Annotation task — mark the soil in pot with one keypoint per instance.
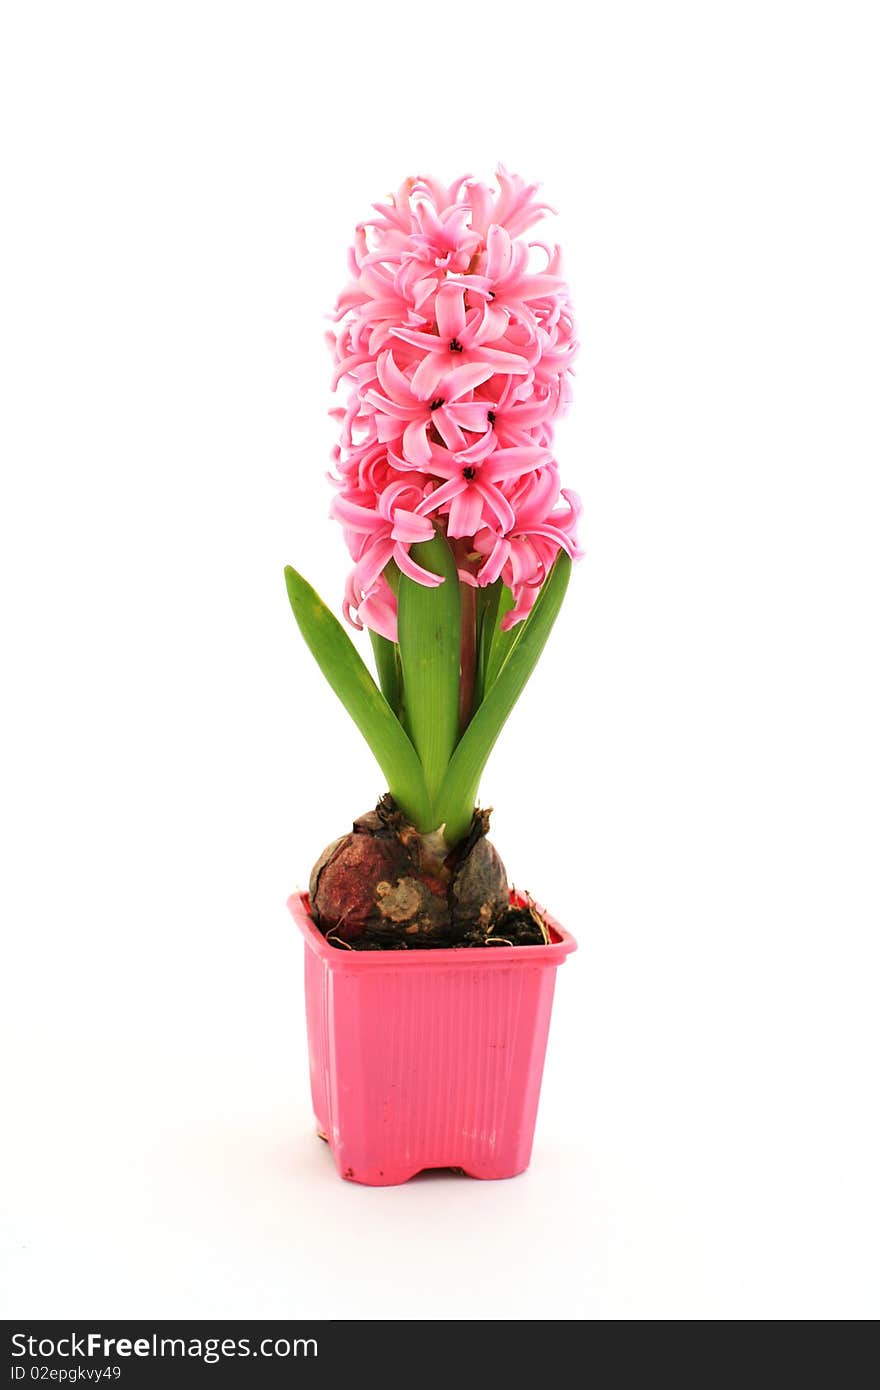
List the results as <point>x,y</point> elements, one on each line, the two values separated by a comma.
<point>386,887</point>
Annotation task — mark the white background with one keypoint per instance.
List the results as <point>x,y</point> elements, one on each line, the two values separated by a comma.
<point>691,781</point>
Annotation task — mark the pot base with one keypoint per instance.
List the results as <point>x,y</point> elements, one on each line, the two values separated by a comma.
<point>427,1059</point>
<point>390,1177</point>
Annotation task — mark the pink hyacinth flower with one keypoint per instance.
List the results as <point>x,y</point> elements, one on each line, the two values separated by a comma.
<point>457,349</point>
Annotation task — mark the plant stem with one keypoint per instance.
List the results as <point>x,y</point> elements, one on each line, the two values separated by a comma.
<point>429,641</point>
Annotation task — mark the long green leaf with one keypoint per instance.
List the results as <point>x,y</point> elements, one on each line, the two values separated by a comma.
<point>387,661</point>
<point>429,640</point>
<point>341,663</point>
<point>487,617</point>
<point>500,643</point>
<point>454,803</point>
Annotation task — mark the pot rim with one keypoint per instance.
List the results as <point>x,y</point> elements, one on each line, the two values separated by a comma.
<point>448,956</point>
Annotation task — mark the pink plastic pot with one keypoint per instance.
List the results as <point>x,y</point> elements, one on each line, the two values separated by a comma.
<point>427,1059</point>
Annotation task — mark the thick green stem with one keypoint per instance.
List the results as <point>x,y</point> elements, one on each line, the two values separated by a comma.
<point>429,641</point>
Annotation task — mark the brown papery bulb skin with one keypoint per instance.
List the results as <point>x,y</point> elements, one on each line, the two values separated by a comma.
<point>384,884</point>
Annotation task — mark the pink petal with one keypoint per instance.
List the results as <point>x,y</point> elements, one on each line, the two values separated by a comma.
<point>428,342</point>
<point>471,415</point>
<point>415,443</point>
<point>378,611</point>
<point>351,515</point>
<point>465,513</point>
<point>525,566</point>
<point>392,379</point>
<point>495,321</point>
<point>524,605</point>
<point>407,565</point>
<point>405,493</point>
<point>494,564</point>
<point>510,463</point>
<point>497,253</point>
<point>449,431</point>
<point>347,364</point>
<point>442,494</point>
<point>388,427</point>
<point>428,375</point>
<point>463,379</point>
<point>397,409</point>
<point>479,450</point>
<point>411,528</point>
<point>372,562</point>
<point>450,312</point>
<point>559,538</point>
<point>538,286</point>
<point>499,504</point>
<point>509,362</point>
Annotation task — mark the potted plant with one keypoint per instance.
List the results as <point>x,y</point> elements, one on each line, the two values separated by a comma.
<point>429,982</point>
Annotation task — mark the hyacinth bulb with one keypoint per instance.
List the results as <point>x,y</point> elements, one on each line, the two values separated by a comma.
<point>385,883</point>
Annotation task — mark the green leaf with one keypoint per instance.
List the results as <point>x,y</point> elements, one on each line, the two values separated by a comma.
<point>498,644</point>
<point>387,660</point>
<point>503,643</point>
<point>454,804</point>
<point>487,617</point>
<point>429,641</point>
<point>341,663</point>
